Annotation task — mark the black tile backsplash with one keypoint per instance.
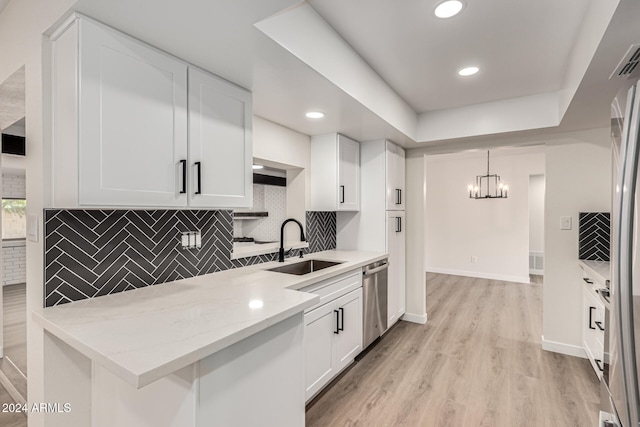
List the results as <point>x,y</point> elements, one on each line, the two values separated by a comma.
<point>594,233</point>
<point>90,253</point>
<point>321,230</point>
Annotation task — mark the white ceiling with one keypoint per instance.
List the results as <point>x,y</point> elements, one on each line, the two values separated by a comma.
<point>521,47</point>
<point>544,66</point>
<point>3,4</point>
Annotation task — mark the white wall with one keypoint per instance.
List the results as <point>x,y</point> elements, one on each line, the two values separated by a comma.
<point>578,169</point>
<point>287,149</point>
<point>578,176</point>
<point>495,232</point>
<point>22,24</point>
<point>536,213</point>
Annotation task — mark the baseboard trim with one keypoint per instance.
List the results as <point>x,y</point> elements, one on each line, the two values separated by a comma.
<point>516,279</point>
<point>415,318</point>
<point>13,392</point>
<point>562,348</point>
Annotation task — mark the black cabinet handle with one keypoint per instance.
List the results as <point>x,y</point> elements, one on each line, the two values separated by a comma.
<point>337,331</point>
<point>599,363</point>
<point>398,196</point>
<point>341,316</point>
<point>184,176</point>
<point>586,279</point>
<point>599,325</point>
<point>591,317</point>
<point>342,194</point>
<point>199,166</point>
<point>398,224</point>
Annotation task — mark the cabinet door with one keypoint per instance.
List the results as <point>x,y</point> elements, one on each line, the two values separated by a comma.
<point>220,147</point>
<point>399,173</point>
<point>396,273</point>
<point>394,159</point>
<point>132,122</point>
<point>320,327</point>
<point>349,338</point>
<point>592,344</point>
<point>348,174</point>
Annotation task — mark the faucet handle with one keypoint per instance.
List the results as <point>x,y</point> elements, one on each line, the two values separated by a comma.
<point>300,251</point>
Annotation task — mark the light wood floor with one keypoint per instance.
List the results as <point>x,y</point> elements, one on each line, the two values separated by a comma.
<point>477,362</point>
<point>10,419</point>
<point>15,326</point>
<point>14,364</point>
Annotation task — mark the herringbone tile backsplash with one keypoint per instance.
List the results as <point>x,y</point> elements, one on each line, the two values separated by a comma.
<point>594,234</point>
<point>90,253</point>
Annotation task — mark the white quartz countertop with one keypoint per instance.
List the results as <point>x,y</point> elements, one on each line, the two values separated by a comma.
<point>145,334</point>
<point>598,270</point>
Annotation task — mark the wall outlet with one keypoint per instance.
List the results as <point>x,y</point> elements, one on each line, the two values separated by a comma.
<point>474,259</point>
<point>191,240</point>
<point>565,223</point>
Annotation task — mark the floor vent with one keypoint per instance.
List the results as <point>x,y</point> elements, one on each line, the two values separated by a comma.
<point>629,63</point>
<point>536,262</point>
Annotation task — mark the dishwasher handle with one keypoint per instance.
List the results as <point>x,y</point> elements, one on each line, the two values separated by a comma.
<point>376,270</point>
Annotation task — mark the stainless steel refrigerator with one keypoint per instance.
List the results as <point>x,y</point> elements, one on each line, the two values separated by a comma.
<point>620,398</point>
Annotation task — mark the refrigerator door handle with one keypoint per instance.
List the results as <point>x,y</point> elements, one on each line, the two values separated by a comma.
<point>624,266</point>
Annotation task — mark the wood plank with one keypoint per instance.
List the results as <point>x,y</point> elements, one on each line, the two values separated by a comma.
<point>477,362</point>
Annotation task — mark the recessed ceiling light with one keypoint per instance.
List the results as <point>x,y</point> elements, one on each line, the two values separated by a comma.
<point>468,71</point>
<point>448,8</point>
<point>315,115</point>
<point>258,166</point>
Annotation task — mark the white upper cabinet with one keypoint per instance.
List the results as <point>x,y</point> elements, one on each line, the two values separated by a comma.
<point>348,174</point>
<point>335,173</point>
<point>132,121</point>
<point>395,176</point>
<point>136,127</point>
<point>220,155</point>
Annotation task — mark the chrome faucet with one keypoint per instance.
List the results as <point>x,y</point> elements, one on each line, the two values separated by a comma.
<point>281,252</point>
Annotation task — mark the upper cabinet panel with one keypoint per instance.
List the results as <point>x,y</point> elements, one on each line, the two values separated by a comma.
<point>220,149</point>
<point>133,121</point>
<point>335,173</point>
<point>348,174</point>
<point>395,156</point>
<point>136,127</point>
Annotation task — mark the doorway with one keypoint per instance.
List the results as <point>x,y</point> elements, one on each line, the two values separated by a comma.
<point>13,355</point>
<point>536,227</point>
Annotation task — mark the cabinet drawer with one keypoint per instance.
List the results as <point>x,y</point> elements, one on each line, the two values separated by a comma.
<point>335,287</point>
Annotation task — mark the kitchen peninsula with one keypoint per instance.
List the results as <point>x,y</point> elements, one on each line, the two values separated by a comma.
<point>198,351</point>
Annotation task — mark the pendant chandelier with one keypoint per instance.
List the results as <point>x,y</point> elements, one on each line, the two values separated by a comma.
<point>488,186</point>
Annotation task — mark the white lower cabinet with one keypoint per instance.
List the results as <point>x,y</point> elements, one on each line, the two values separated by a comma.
<point>593,329</point>
<point>332,339</point>
<point>396,290</point>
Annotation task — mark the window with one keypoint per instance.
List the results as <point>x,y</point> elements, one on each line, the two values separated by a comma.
<point>14,219</point>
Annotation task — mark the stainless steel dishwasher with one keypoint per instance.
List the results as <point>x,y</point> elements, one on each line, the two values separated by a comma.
<point>374,294</point>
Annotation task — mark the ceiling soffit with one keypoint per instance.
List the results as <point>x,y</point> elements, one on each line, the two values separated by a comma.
<point>304,33</point>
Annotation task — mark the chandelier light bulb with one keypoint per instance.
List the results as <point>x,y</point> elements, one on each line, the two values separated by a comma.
<point>494,187</point>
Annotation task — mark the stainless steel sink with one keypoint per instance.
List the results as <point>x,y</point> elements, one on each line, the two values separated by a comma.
<point>305,267</point>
